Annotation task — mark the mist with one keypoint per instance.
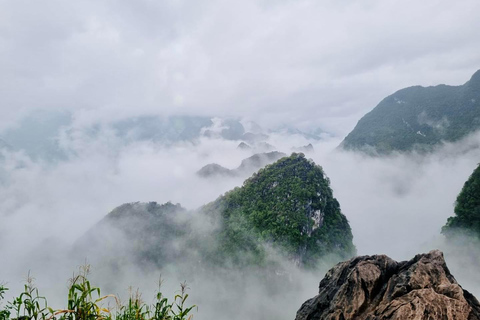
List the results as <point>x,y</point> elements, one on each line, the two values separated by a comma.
<point>396,205</point>
<point>80,81</point>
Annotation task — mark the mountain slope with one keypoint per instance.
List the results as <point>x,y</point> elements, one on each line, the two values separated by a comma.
<point>148,233</point>
<point>467,208</point>
<point>418,118</point>
<point>288,204</point>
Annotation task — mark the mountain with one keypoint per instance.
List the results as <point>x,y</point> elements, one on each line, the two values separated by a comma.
<point>244,146</point>
<point>147,232</point>
<point>215,170</point>
<point>38,134</point>
<point>418,118</point>
<point>467,208</point>
<point>259,160</point>
<point>304,149</point>
<point>246,168</point>
<point>311,134</point>
<point>377,287</point>
<point>161,129</point>
<point>288,204</point>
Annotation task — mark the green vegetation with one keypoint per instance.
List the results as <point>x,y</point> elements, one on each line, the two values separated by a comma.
<point>145,232</point>
<point>418,118</point>
<point>86,303</point>
<point>288,204</point>
<point>467,209</point>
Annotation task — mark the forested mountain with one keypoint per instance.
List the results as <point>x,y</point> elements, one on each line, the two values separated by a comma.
<point>467,208</point>
<point>418,118</point>
<point>143,232</point>
<point>287,206</point>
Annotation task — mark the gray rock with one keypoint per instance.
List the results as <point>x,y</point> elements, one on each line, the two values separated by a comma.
<point>377,287</point>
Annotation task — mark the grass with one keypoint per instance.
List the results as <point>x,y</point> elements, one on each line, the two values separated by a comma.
<point>85,302</point>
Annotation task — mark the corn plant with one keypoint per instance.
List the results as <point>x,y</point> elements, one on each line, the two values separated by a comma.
<point>4,313</point>
<point>135,309</point>
<point>84,303</point>
<point>181,312</point>
<point>29,305</point>
<point>81,302</point>
<point>162,309</point>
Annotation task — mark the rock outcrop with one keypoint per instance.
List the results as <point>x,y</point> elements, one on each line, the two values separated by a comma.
<point>377,287</point>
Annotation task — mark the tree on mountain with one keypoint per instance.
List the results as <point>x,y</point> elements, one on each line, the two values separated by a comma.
<point>467,208</point>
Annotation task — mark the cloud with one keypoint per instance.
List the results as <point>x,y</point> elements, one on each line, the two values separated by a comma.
<point>273,61</point>
<point>303,63</point>
<point>396,205</point>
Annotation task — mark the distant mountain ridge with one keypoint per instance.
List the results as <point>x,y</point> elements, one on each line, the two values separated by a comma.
<point>49,135</point>
<point>418,118</point>
<point>246,167</point>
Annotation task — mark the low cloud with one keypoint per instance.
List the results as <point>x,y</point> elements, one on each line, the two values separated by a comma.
<point>396,205</point>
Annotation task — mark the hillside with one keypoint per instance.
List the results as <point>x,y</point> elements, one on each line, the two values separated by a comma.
<point>467,208</point>
<point>418,118</point>
<point>288,204</point>
<point>148,233</point>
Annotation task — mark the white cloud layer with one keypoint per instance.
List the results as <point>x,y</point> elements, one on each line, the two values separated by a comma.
<point>396,206</point>
<point>303,63</point>
<point>326,62</point>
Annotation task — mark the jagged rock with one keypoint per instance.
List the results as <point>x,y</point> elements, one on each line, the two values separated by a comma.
<point>377,287</point>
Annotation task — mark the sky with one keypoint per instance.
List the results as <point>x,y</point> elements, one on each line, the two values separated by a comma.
<point>303,63</point>
<point>308,63</point>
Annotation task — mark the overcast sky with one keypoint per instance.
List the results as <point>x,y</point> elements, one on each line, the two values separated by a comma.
<point>302,63</point>
<point>315,63</point>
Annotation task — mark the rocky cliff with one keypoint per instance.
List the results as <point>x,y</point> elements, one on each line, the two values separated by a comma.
<point>377,287</point>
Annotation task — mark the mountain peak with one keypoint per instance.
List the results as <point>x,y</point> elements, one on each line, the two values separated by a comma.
<point>289,204</point>
<point>475,78</point>
<point>418,119</point>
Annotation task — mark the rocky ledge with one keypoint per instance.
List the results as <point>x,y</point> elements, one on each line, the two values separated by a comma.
<point>379,288</point>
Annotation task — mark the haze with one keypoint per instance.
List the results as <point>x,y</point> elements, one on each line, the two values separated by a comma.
<point>76,68</point>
